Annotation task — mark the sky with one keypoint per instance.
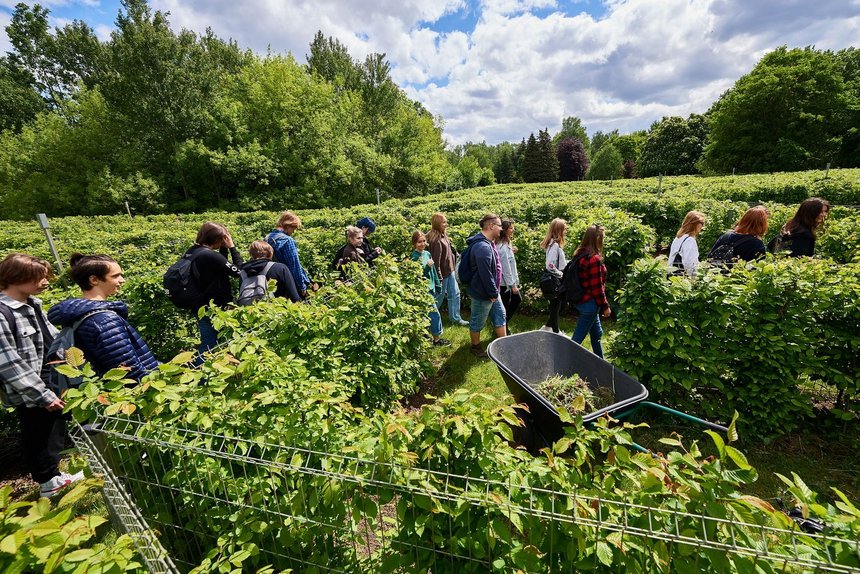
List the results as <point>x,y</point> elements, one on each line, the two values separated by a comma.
<point>498,70</point>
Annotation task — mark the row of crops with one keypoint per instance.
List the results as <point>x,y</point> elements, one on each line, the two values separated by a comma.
<point>288,450</point>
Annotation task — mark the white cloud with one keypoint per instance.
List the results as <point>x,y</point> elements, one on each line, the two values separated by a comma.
<point>5,20</point>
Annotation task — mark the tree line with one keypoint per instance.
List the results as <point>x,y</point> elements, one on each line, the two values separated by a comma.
<point>181,121</point>
<point>797,109</point>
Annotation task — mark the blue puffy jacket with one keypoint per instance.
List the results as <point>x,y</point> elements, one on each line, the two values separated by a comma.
<point>107,339</point>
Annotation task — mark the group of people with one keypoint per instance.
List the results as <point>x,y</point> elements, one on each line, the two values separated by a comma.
<point>102,331</point>
<point>745,241</point>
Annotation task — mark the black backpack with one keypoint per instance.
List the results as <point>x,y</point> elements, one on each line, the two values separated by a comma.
<point>58,381</point>
<point>724,255</point>
<point>678,263</point>
<point>180,285</point>
<point>571,288</point>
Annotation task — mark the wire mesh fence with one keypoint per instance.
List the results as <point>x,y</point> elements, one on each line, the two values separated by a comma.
<point>260,503</point>
<point>124,512</point>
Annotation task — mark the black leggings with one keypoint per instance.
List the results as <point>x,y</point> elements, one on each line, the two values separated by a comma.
<point>43,436</point>
<point>511,301</point>
<point>554,312</point>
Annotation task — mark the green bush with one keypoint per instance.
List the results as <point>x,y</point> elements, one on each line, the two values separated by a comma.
<point>750,341</point>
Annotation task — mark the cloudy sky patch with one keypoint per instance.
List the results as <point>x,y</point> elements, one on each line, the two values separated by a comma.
<point>501,69</point>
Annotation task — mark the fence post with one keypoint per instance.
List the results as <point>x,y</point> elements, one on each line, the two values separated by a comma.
<point>128,210</point>
<point>659,184</point>
<point>827,173</point>
<point>43,223</point>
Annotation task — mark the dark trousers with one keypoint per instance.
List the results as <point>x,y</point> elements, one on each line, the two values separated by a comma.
<point>554,312</point>
<point>43,436</point>
<point>511,302</point>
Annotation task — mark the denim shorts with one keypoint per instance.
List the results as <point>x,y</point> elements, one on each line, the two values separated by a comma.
<point>481,309</point>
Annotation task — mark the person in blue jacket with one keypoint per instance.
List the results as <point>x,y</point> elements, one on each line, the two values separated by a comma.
<point>286,250</point>
<point>485,286</point>
<point>105,335</point>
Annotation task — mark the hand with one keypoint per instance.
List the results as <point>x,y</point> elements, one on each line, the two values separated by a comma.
<point>430,263</point>
<point>493,299</point>
<point>57,405</point>
<point>607,312</point>
<point>515,249</point>
<point>515,290</point>
<point>377,250</point>
<point>228,241</point>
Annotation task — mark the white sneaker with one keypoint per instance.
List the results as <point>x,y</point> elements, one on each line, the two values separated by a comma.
<point>52,487</point>
<point>545,328</point>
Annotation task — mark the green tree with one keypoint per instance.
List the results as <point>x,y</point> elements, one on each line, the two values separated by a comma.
<point>607,164</point>
<point>530,169</point>
<point>57,62</point>
<point>673,146</point>
<point>503,168</point>
<point>331,60</point>
<point>20,102</point>
<point>599,139</point>
<point>848,61</point>
<point>782,116</point>
<point>548,159</point>
<point>630,145</point>
<point>571,127</point>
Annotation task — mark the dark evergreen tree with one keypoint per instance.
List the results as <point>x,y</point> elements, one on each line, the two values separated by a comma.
<point>531,168</point>
<point>572,160</point>
<point>548,160</point>
<point>504,166</point>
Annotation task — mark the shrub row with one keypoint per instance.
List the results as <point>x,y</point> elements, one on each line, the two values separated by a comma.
<point>766,340</point>
<point>218,509</point>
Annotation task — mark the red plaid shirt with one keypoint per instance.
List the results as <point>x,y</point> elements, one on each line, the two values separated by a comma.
<point>592,277</point>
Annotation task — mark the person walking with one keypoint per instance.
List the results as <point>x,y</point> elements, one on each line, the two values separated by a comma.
<point>103,333</point>
<point>210,274</point>
<point>261,255</point>
<point>684,251</point>
<point>486,278</point>
<point>743,241</point>
<point>592,277</point>
<point>555,262</point>
<point>799,233</point>
<point>286,250</point>
<point>442,252</point>
<point>428,268</point>
<point>25,335</point>
<point>510,288</point>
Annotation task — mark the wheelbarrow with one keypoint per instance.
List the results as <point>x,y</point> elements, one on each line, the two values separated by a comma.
<point>527,359</point>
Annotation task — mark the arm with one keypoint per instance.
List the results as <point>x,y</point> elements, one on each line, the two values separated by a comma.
<point>18,377</point>
<point>234,255</point>
<point>690,256</point>
<point>595,281</point>
<point>551,262</point>
<point>487,269</point>
<point>286,284</point>
<point>290,252</point>
<point>507,272</point>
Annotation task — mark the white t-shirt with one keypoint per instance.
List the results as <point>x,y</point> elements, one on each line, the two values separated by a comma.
<point>689,250</point>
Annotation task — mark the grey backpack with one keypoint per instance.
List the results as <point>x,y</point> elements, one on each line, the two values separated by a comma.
<point>254,288</point>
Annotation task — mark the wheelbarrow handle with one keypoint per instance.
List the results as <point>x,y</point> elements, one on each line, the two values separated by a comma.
<point>679,414</point>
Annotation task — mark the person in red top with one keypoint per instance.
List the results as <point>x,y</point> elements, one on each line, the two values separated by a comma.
<point>592,277</point>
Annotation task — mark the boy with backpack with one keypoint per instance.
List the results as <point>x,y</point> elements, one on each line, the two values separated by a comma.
<point>25,336</point>
<point>256,273</point>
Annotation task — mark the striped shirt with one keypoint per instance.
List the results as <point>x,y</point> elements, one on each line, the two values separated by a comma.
<point>22,356</point>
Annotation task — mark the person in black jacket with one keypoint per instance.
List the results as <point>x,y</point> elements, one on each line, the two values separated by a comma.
<point>104,333</point>
<point>743,241</point>
<point>261,255</point>
<point>368,226</point>
<point>798,235</point>
<point>211,273</point>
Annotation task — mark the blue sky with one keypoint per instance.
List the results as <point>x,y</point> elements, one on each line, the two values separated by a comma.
<point>500,69</point>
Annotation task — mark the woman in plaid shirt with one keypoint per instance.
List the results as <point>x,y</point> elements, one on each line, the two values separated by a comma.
<point>592,277</point>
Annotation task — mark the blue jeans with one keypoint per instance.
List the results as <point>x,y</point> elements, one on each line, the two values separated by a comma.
<point>483,308</point>
<point>589,324</point>
<point>435,322</point>
<point>208,338</point>
<point>451,290</point>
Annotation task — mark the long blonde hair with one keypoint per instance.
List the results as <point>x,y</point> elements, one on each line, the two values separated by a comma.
<point>556,230</point>
<point>691,220</point>
<point>436,230</point>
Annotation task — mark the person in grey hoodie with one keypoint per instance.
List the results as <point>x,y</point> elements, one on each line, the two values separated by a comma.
<point>484,286</point>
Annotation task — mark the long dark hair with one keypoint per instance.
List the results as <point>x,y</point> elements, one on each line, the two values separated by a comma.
<point>503,236</point>
<point>592,241</point>
<point>806,216</point>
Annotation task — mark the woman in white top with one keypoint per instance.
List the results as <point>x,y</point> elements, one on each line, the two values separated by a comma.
<point>684,252</point>
<point>510,287</point>
<point>553,245</point>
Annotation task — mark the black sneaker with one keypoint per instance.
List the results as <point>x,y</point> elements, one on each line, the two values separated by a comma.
<point>478,351</point>
<point>441,342</point>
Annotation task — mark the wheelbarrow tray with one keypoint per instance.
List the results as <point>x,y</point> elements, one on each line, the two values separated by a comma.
<point>527,359</point>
